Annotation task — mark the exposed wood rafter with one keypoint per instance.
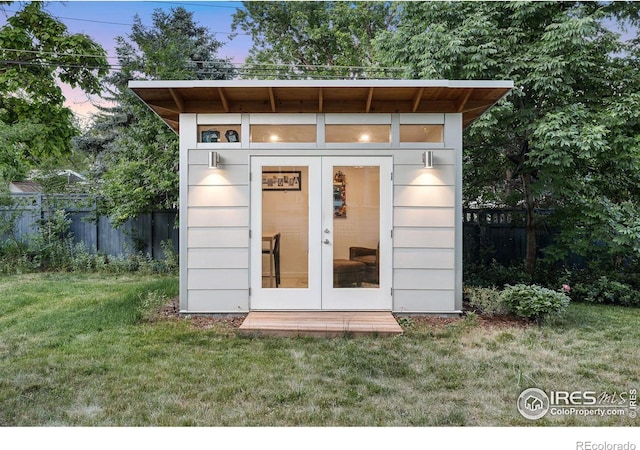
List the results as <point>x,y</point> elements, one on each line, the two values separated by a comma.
<point>223,99</point>
<point>463,100</point>
<point>417,99</point>
<point>176,98</point>
<point>369,99</point>
<point>272,99</point>
<point>169,99</point>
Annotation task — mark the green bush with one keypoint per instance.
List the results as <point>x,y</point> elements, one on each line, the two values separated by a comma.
<point>485,301</point>
<point>534,302</point>
<point>14,257</point>
<point>606,291</point>
<point>52,246</point>
<point>494,274</point>
<point>171,257</point>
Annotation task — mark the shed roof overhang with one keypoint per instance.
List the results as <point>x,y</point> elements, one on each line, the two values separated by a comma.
<point>168,99</point>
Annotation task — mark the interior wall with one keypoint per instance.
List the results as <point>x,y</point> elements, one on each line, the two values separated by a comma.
<point>287,212</point>
<point>361,227</point>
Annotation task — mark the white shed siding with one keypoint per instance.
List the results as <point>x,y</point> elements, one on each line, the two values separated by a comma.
<point>219,258</point>
<point>424,258</point>
<point>453,136</point>
<point>427,236</point>
<point>426,217</point>
<point>218,217</point>
<point>437,301</point>
<point>227,301</point>
<point>426,227</point>
<point>204,279</point>
<point>417,195</point>
<point>216,227</point>
<point>419,237</point>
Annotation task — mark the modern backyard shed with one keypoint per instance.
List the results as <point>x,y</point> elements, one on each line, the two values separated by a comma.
<point>320,195</point>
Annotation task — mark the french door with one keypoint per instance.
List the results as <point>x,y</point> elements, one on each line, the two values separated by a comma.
<point>321,233</point>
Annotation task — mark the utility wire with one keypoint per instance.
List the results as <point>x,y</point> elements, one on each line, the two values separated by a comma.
<point>252,66</point>
<point>127,24</point>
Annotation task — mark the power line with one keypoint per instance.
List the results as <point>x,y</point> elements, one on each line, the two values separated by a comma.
<point>42,52</point>
<point>105,22</point>
<point>208,5</point>
<point>247,66</point>
<point>215,67</point>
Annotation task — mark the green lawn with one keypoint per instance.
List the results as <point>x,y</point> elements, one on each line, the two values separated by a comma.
<point>76,350</point>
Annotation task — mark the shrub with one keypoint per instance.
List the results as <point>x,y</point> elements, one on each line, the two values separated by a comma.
<point>607,291</point>
<point>534,302</point>
<point>494,274</point>
<point>171,257</point>
<point>52,246</point>
<point>14,257</point>
<point>484,301</point>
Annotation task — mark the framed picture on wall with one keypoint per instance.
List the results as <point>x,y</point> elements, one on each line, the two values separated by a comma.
<point>282,181</point>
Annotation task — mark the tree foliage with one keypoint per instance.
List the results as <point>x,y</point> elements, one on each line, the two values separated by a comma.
<point>566,136</point>
<point>136,154</point>
<point>37,53</point>
<point>320,39</point>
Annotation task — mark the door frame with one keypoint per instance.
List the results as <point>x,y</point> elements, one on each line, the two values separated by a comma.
<point>361,298</point>
<point>320,293</point>
<point>308,298</point>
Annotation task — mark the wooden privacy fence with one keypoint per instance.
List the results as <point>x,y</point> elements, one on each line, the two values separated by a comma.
<point>142,234</point>
<point>499,234</point>
<point>488,234</point>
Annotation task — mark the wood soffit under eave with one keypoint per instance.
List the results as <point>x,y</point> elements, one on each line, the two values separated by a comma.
<point>369,99</point>
<point>272,100</point>
<point>259,106</point>
<point>177,99</point>
<point>471,102</point>
<point>463,100</point>
<point>223,100</point>
<point>169,107</point>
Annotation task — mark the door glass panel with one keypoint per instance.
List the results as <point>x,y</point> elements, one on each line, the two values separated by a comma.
<point>356,226</point>
<point>285,227</point>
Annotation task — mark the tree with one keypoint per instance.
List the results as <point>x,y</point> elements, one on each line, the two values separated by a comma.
<point>320,39</point>
<point>136,154</point>
<point>552,139</point>
<point>37,53</point>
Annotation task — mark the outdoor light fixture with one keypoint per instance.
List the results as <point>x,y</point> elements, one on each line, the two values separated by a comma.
<point>427,159</point>
<point>214,160</point>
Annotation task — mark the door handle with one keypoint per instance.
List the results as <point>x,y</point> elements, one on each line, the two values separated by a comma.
<point>326,241</point>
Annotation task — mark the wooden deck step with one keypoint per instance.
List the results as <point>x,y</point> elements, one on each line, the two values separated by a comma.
<point>320,323</point>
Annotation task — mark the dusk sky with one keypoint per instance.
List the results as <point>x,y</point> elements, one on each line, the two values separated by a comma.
<point>105,20</point>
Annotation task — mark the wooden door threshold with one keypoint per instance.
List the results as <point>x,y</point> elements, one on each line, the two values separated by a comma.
<point>320,323</point>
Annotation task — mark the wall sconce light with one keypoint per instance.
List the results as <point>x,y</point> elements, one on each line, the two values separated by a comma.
<point>214,160</point>
<point>427,159</point>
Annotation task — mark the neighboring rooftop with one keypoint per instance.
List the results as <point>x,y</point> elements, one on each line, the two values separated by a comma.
<point>170,98</point>
<point>22,187</point>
